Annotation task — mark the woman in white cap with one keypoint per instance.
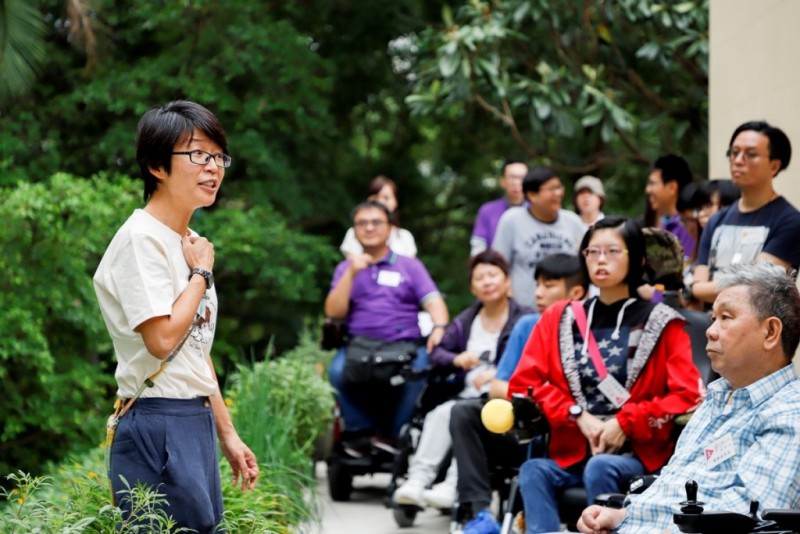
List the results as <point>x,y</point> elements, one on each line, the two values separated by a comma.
<point>588,198</point>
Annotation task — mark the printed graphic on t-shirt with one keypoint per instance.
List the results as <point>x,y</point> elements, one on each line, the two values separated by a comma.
<point>543,244</point>
<point>203,332</point>
<point>736,244</point>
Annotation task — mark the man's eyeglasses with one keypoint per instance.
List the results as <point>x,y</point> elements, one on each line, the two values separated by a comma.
<point>364,223</point>
<point>747,155</point>
<point>201,157</point>
<point>594,253</point>
<point>555,189</point>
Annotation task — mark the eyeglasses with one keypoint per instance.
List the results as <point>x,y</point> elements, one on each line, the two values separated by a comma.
<point>201,157</point>
<point>364,223</point>
<point>554,189</point>
<point>747,155</point>
<point>594,253</point>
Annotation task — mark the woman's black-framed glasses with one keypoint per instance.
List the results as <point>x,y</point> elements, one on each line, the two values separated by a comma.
<point>201,157</point>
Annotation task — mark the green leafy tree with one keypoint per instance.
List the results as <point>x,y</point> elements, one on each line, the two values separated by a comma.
<point>592,87</point>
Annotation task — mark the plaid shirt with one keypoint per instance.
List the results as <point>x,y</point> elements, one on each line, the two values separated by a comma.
<point>763,424</point>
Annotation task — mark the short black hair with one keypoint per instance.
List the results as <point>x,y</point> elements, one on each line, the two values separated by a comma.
<point>779,146</point>
<point>370,204</point>
<point>536,177</point>
<point>488,257</point>
<point>161,128</point>
<point>631,234</point>
<point>674,169</point>
<point>561,265</point>
<point>702,193</point>
<point>511,161</point>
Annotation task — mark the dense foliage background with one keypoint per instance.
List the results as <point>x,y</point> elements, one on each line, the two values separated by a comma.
<point>317,98</point>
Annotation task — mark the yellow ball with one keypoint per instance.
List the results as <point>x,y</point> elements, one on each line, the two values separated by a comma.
<point>497,416</point>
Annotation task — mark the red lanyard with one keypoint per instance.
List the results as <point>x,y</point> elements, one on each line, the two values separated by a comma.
<point>588,337</point>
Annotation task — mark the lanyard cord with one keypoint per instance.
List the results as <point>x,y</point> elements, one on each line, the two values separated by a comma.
<point>614,334</point>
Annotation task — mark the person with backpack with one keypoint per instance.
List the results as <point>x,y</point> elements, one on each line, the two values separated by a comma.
<point>669,177</point>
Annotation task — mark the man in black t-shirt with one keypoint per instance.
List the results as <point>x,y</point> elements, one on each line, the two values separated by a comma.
<point>762,225</point>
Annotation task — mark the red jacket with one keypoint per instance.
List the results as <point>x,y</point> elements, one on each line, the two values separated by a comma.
<point>665,383</point>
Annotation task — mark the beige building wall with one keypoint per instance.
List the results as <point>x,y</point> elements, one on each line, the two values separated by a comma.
<point>754,73</point>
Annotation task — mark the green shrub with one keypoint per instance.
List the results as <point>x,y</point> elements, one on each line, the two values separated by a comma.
<point>284,402</point>
<point>35,505</point>
<point>280,407</point>
<point>55,381</point>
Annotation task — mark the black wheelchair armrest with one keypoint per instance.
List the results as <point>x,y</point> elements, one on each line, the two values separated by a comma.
<point>610,500</point>
<point>714,522</point>
<point>783,519</point>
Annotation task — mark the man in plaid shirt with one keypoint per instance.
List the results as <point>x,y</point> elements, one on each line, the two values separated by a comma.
<point>742,443</point>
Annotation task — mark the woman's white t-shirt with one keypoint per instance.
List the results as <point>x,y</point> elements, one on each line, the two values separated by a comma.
<point>141,275</point>
<point>480,341</point>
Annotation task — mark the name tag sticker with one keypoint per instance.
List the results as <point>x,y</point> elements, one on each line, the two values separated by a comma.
<point>613,391</point>
<point>389,278</point>
<point>719,451</point>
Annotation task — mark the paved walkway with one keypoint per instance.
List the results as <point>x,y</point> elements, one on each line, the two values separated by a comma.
<point>365,513</point>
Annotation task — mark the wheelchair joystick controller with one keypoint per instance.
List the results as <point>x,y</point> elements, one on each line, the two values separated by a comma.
<point>691,504</point>
<point>695,519</point>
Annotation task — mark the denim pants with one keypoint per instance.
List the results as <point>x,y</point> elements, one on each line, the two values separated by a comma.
<point>396,403</point>
<point>170,445</point>
<point>541,480</point>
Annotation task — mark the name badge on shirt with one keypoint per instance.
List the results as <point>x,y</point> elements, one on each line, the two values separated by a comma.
<point>613,391</point>
<point>389,278</point>
<point>719,451</point>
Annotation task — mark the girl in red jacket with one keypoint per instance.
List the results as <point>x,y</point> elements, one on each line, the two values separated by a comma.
<point>610,395</point>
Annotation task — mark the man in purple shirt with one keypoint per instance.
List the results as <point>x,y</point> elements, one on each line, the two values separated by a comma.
<point>669,176</point>
<point>489,213</point>
<point>378,294</point>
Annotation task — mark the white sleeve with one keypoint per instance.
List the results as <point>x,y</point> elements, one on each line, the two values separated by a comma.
<point>403,242</point>
<point>142,279</point>
<point>350,244</point>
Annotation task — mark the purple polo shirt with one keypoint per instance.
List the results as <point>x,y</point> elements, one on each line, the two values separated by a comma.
<point>674,225</point>
<point>487,219</point>
<point>386,297</point>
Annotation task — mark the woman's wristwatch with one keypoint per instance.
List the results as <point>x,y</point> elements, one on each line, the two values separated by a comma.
<point>208,275</point>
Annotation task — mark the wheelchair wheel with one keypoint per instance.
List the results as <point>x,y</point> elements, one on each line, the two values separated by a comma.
<point>404,516</point>
<point>340,481</point>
